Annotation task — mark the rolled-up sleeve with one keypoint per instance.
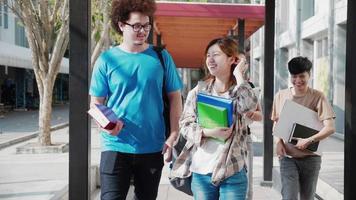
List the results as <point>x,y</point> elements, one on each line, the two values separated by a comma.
<point>188,123</point>
<point>244,98</point>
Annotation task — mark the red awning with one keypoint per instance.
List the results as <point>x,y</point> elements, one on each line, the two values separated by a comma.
<point>186,28</point>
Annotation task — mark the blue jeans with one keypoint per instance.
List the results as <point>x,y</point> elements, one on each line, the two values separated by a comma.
<point>299,175</point>
<point>233,187</point>
<point>117,169</point>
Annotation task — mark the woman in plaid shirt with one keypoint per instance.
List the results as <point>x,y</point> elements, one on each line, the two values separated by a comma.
<point>217,168</point>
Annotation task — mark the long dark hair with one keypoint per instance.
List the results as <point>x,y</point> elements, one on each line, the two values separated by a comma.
<point>230,48</point>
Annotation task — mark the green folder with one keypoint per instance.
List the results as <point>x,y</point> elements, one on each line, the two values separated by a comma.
<point>210,116</point>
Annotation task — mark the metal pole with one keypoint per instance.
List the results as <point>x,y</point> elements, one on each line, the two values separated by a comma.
<point>350,111</point>
<point>241,34</point>
<point>79,124</point>
<point>268,91</point>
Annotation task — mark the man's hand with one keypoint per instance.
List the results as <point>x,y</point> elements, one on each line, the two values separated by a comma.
<point>168,146</point>
<point>221,133</point>
<point>116,130</point>
<point>280,149</point>
<point>302,143</point>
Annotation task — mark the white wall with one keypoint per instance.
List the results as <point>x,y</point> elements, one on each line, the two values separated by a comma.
<point>8,35</point>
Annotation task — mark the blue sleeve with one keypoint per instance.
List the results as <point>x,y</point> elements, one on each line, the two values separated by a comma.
<point>99,86</point>
<point>173,81</point>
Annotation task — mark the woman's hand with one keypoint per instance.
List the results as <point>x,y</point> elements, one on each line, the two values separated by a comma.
<point>221,133</point>
<point>250,115</point>
<point>241,67</point>
<point>240,70</point>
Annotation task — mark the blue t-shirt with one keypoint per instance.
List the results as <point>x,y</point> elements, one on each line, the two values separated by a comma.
<point>132,84</point>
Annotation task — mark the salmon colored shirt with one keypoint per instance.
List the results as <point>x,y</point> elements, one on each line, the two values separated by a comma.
<point>314,100</point>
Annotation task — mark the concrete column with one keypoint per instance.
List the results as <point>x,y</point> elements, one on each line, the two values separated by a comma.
<point>331,49</point>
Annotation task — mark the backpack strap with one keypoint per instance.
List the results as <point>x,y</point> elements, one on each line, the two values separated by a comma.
<point>166,111</point>
<point>159,50</point>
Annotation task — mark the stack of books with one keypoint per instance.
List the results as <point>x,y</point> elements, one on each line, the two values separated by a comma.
<point>297,121</point>
<point>213,111</point>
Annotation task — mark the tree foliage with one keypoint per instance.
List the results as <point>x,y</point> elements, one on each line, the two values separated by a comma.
<point>102,35</point>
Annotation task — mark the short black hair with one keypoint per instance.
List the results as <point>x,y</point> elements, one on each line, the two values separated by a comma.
<point>299,65</point>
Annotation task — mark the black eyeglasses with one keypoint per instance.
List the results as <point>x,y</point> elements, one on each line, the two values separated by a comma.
<point>137,27</point>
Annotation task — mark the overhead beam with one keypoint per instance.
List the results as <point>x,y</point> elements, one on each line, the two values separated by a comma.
<point>184,29</point>
<point>186,35</point>
<point>217,10</point>
<point>193,20</point>
<point>190,27</point>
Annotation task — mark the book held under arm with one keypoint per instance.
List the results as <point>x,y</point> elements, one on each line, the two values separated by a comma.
<point>300,131</point>
<point>104,116</point>
<point>293,112</point>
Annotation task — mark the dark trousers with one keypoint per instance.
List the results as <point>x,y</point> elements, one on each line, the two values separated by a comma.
<point>116,170</point>
<point>299,175</point>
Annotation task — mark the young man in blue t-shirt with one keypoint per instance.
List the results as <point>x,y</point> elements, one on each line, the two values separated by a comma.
<point>129,79</point>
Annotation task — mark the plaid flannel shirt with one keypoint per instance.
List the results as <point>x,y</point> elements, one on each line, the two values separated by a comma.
<point>234,152</point>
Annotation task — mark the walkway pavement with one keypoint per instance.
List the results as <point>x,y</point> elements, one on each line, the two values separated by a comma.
<point>45,176</point>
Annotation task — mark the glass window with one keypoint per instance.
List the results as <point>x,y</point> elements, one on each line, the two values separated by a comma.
<point>0,14</point>
<point>307,11</point>
<point>325,47</point>
<point>6,17</point>
<point>319,49</point>
<point>284,20</point>
<point>20,36</point>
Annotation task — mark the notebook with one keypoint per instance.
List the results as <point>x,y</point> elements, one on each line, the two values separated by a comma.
<point>210,116</point>
<point>300,131</point>
<point>220,102</point>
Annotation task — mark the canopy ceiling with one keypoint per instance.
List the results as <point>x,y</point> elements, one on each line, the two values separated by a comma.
<point>186,28</point>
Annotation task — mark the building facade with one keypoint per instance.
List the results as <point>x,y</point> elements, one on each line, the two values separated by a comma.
<point>315,29</point>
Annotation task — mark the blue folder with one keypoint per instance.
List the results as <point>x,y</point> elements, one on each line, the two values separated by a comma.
<point>218,101</point>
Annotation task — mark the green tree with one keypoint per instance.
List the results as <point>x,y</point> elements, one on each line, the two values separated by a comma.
<point>102,35</point>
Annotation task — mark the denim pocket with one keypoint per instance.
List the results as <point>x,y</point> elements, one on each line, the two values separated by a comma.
<point>107,162</point>
<point>238,178</point>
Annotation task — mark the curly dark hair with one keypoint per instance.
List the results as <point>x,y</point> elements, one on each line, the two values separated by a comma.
<point>121,9</point>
